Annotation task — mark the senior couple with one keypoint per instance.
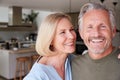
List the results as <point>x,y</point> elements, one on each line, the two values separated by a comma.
<point>56,41</point>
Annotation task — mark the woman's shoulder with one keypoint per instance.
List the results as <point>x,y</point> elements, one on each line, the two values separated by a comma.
<point>35,73</point>
<point>39,68</point>
<point>41,72</point>
<point>71,56</point>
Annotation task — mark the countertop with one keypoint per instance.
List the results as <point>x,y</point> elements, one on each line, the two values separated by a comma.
<point>22,50</point>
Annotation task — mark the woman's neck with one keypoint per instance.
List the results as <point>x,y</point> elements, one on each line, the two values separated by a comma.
<point>57,61</point>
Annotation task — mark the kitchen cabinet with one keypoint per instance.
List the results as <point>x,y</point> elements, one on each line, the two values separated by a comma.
<point>8,61</point>
<point>74,17</point>
<point>11,20</point>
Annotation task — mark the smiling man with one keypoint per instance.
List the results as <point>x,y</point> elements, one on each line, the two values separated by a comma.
<point>97,28</point>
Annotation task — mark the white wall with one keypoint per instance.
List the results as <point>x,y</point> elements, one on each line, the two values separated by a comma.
<point>3,14</point>
<point>41,16</point>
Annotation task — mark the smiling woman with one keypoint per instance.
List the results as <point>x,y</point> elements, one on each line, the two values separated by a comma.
<point>55,42</point>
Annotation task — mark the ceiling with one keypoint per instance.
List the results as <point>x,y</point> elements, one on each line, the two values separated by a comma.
<point>56,5</point>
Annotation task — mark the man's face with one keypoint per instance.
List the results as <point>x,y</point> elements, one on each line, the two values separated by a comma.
<point>96,31</point>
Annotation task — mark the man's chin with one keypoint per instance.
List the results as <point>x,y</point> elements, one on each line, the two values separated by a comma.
<point>97,51</point>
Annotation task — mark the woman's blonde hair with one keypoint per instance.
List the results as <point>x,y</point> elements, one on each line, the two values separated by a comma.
<point>46,33</point>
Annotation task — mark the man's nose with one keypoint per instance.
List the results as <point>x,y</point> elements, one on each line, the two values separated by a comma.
<point>96,32</point>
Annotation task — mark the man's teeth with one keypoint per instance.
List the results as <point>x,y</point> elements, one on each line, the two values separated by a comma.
<point>97,40</point>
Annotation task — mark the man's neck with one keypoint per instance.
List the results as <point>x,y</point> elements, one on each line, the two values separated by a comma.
<point>101,55</point>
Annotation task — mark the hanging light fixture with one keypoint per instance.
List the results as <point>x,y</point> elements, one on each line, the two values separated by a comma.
<point>115,3</point>
<point>102,1</point>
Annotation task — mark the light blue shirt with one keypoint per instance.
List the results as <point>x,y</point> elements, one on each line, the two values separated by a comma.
<point>47,72</point>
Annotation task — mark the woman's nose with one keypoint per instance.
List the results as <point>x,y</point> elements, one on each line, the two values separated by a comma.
<point>71,35</point>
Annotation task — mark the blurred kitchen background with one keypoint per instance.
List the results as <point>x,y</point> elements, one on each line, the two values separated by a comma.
<point>20,20</point>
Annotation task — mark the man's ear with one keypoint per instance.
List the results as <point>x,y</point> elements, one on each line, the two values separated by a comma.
<point>114,31</point>
<point>119,56</point>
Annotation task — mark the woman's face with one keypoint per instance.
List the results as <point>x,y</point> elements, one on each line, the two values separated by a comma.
<point>65,37</point>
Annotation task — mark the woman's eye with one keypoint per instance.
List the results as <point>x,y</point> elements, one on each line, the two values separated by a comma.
<point>62,32</point>
<point>72,30</point>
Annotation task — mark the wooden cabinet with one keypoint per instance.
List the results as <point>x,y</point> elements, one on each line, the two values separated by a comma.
<point>25,27</point>
<point>32,28</point>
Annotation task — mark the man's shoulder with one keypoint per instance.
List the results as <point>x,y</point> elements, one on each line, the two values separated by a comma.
<point>79,58</point>
<point>116,50</point>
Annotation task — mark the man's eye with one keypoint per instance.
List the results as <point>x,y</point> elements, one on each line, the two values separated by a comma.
<point>89,27</point>
<point>102,27</point>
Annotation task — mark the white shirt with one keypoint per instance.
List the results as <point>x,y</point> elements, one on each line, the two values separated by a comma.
<point>47,72</point>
